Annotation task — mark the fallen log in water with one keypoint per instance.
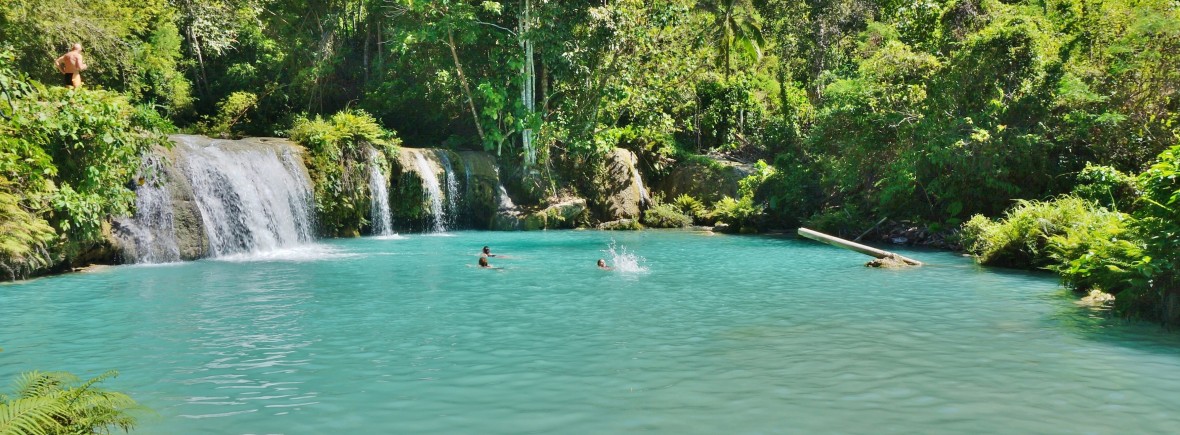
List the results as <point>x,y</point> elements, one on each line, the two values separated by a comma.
<point>867,250</point>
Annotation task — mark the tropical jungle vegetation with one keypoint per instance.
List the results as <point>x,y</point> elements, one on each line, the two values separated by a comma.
<point>53,403</point>
<point>1048,127</point>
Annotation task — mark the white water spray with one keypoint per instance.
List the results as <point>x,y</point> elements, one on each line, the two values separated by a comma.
<point>433,191</point>
<point>452,186</point>
<point>150,233</point>
<point>252,199</point>
<point>623,260</point>
<point>380,215</point>
<point>639,180</point>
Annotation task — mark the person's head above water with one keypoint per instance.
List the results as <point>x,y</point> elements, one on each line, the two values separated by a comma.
<point>483,262</point>
<point>487,251</point>
<point>601,263</point>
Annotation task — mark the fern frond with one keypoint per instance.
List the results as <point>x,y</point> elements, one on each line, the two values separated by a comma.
<point>32,416</point>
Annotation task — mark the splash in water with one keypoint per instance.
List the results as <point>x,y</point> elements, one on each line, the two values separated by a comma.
<point>623,260</point>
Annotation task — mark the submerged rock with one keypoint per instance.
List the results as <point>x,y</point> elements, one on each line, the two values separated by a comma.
<point>888,262</point>
<point>621,225</point>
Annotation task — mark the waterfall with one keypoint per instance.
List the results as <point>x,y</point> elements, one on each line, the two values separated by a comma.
<point>149,236</point>
<point>503,198</point>
<point>382,219</point>
<point>251,198</point>
<point>432,190</point>
<point>639,180</point>
<point>452,193</point>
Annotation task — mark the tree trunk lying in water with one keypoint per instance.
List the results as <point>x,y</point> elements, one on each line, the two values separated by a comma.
<point>867,250</point>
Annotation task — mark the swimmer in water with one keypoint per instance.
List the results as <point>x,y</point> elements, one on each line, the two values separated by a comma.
<point>602,265</point>
<point>483,262</point>
<point>487,252</point>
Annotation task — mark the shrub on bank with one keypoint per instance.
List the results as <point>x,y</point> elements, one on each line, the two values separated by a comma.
<point>68,158</point>
<point>337,159</point>
<point>1021,238</point>
<point>665,216</point>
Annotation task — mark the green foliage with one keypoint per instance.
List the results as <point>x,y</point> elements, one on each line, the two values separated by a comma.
<point>740,213</point>
<point>1021,238</point>
<point>1107,187</point>
<point>71,152</point>
<point>666,216</point>
<point>1100,250</point>
<point>231,112</point>
<point>24,236</point>
<point>691,207</point>
<point>54,403</point>
<point>847,221</point>
<point>338,153</point>
<point>1158,223</point>
<point>130,46</point>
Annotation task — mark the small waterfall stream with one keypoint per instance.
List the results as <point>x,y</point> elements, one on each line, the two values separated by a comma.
<point>252,199</point>
<point>452,187</point>
<point>382,219</point>
<point>431,188</point>
<point>505,201</point>
<point>150,235</point>
<point>646,200</point>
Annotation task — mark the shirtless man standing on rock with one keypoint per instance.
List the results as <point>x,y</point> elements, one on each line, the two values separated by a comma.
<point>71,66</point>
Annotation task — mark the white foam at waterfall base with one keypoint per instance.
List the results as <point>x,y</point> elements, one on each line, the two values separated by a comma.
<point>380,215</point>
<point>433,191</point>
<point>252,200</point>
<point>622,260</point>
<point>297,254</point>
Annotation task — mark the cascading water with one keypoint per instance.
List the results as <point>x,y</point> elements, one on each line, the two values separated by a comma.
<point>432,190</point>
<point>150,236</point>
<point>639,181</point>
<point>251,199</point>
<point>380,211</point>
<point>504,200</point>
<point>452,186</point>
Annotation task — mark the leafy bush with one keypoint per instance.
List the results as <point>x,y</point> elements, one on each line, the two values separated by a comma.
<point>741,213</point>
<point>690,206</point>
<point>59,403</point>
<point>1158,223</point>
<point>231,112</point>
<point>338,156</point>
<point>1107,187</point>
<point>24,236</point>
<point>666,216</point>
<point>71,152</point>
<point>1021,238</point>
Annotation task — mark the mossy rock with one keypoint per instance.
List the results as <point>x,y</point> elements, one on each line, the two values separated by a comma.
<point>705,179</point>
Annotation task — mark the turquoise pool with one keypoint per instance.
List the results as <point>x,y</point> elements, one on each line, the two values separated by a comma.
<point>719,334</point>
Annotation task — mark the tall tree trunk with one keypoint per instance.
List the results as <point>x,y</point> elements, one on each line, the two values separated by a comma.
<point>466,88</point>
<point>528,85</point>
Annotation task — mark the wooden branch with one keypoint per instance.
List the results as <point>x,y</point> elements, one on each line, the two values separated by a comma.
<point>853,246</point>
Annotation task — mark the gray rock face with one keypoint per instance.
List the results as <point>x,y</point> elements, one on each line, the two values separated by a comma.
<point>562,214</point>
<point>707,181</point>
<point>467,185</point>
<point>623,194</point>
